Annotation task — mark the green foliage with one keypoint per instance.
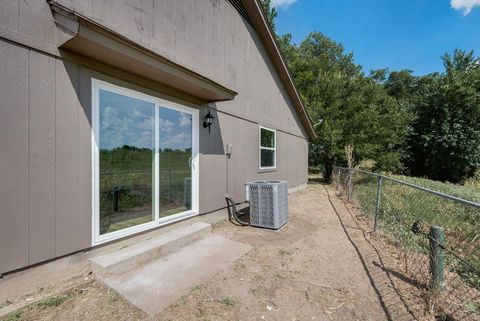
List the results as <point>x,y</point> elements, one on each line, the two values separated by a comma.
<point>229,301</point>
<point>401,206</point>
<point>474,181</point>
<point>424,126</point>
<point>445,140</point>
<point>14,316</point>
<point>354,109</point>
<point>270,12</point>
<point>54,301</point>
<point>466,192</point>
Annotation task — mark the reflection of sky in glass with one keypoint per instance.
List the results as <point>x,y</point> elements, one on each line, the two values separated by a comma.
<point>175,129</point>
<point>130,121</point>
<point>125,121</point>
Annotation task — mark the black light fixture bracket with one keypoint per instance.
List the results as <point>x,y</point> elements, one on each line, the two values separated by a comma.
<point>208,120</point>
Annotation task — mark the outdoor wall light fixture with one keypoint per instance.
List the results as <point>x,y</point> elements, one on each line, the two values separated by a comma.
<point>208,120</point>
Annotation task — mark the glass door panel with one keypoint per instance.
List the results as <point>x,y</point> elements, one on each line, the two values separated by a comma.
<point>175,156</point>
<point>126,161</point>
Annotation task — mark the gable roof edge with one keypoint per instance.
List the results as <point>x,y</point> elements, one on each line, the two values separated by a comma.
<point>269,41</point>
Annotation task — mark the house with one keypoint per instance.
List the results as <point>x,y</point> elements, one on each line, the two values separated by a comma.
<point>117,117</point>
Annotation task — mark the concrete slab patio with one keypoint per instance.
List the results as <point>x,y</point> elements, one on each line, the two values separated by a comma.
<point>161,282</point>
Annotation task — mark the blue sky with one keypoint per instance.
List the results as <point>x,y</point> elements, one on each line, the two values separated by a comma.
<point>399,34</point>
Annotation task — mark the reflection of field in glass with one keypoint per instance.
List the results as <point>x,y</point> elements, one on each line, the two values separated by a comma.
<point>126,186</point>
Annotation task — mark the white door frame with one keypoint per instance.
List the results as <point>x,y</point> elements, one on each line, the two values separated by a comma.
<point>97,85</point>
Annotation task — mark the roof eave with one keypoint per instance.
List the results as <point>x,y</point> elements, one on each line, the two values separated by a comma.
<point>85,37</point>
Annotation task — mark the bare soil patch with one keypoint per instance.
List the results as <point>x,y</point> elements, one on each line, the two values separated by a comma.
<point>405,274</point>
<point>309,270</point>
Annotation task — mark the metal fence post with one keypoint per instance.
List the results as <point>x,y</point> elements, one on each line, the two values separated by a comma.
<point>349,186</point>
<point>116,191</point>
<point>437,258</point>
<point>377,203</point>
<point>337,180</point>
<point>169,184</point>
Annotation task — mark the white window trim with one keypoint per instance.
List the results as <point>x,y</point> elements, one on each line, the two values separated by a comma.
<point>267,148</point>
<point>97,239</point>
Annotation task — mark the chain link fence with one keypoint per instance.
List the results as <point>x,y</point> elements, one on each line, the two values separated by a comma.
<point>438,234</point>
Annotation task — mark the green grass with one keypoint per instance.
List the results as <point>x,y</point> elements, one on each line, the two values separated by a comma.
<point>401,206</point>
<point>15,316</point>
<point>468,192</point>
<point>50,302</point>
<point>229,301</point>
<point>284,252</point>
<point>54,301</point>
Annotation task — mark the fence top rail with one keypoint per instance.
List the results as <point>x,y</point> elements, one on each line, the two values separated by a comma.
<point>421,188</point>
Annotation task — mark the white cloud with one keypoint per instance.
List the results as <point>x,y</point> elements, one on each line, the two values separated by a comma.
<point>165,125</point>
<point>464,5</point>
<point>179,141</point>
<point>146,124</point>
<point>282,3</point>
<point>185,120</point>
<point>118,128</point>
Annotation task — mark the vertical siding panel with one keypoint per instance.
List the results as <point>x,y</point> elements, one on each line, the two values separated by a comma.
<point>85,153</point>
<point>66,149</point>
<point>145,22</point>
<point>158,25</point>
<point>170,30</point>
<point>14,157</point>
<point>125,18</point>
<point>9,14</point>
<point>32,18</point>
<point>42,157</point>
<point>101,12</point>
<point>84,7</point>
<point>66,3</point>
<point>213,43</point>
<point>49,25</point>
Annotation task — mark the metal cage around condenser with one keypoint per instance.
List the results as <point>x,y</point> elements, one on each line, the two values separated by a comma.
<point>268,203</point>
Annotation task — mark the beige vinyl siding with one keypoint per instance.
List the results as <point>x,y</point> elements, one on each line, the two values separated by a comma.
<point>45,114</point>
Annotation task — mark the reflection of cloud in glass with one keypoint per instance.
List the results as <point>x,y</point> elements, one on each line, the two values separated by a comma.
<point>179,135</point>
<point>125,121</point>
<point>185,119</point>
<point>165,125</point>
<point>130,121</point>
<point>179,141</point>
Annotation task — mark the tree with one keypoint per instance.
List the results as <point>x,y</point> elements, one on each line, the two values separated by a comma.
<point>425,126</point>
<point>355,109</point>
<point>446,132</point>
<point>270,12</point>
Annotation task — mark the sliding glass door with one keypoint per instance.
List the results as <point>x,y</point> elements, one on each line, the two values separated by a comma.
<point>144,156</point>
<point>175,161</point>
<point>126,161</point>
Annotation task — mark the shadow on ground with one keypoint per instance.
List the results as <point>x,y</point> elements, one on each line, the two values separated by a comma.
<point>397,293</point>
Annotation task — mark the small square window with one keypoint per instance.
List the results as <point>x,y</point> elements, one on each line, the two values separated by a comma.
<point>267,148</point>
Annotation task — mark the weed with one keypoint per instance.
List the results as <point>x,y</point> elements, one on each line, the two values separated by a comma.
<point>284,252</point>
<point>229,301</point>
<point>53,301</point>
<point>472,307</point>
<point>195,288</point>
<point>257,278</point>
<point>15,316</point>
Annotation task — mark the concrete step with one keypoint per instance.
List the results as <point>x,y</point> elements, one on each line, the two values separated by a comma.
<point>137,254</point>
<point>161,282</point>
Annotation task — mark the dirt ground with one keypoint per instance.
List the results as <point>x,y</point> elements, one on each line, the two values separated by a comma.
<point>323,265</point>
